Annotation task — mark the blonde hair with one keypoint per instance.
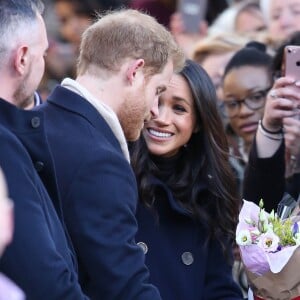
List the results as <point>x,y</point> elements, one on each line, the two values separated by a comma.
<point>217,44</point>
<point>126,34</point>
<point>226,21</point>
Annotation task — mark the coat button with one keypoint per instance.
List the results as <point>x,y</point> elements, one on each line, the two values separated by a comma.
<point>187,258</point>
<point>143,246</point>
<point>35,122</point>
<point>39,166</point>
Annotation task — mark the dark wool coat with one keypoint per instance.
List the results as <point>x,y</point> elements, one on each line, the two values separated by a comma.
<point>39,259</point>
<point>180,264</point>
<point>99,197</point>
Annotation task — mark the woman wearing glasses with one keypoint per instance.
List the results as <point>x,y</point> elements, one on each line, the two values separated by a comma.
<point>246,82</point>
<point>273,172</point>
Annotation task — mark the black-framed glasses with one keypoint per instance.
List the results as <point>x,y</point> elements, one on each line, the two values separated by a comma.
<point>254,101</point>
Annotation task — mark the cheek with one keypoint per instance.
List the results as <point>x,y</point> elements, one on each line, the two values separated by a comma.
<point>187,129</point>
<point>150,99</point>
<point>259,113</point>
<point>234,124</point>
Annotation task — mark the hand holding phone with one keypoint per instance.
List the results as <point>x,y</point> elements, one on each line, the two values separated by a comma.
<point>291,67</point>
<point>291,62</point>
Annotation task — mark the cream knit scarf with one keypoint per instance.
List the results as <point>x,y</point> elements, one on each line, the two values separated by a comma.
<point>105,111</point>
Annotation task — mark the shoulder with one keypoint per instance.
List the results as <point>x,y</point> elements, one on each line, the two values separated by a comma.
<point>11,146</point>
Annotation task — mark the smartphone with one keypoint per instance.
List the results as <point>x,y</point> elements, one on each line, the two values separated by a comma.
<point>291,67</point>
<point>192,13</point>
<point>291,61</point>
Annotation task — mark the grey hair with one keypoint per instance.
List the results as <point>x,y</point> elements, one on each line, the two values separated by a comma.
<point>17,21</point>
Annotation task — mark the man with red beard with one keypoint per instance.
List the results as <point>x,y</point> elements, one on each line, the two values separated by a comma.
<point>126,61</point>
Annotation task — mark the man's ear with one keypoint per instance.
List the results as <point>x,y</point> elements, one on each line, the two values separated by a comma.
<point>21,59</point>
<point>134,67</point>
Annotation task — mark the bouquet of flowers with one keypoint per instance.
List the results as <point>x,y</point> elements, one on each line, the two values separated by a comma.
<point>270,252</point>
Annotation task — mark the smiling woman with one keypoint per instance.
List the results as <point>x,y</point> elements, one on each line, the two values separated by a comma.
<point>188,209</point>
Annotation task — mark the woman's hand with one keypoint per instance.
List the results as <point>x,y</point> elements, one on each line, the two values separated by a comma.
<point>282,102</point>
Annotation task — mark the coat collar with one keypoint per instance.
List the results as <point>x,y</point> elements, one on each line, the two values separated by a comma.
<point>18,120</point>
<point>28,127</point>
<point>60,97</point>
<point>171,200</point>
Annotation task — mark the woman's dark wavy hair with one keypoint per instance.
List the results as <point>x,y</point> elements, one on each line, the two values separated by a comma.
<point>205,156</point>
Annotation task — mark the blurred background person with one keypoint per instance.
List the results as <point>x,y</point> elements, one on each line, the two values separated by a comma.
<point>214,52</point>
<point>282,18</point>
<point>244,17</point>
<point>265,173</point>
<point>274,170</point>
<point>246,81</point>
<point>66,20</point>
<point>8,290</point>
<point>163,10</point>
<point>6,215</point>
<point>167,13</point>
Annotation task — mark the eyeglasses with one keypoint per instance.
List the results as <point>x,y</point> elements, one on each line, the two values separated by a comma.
<point>231,108</point>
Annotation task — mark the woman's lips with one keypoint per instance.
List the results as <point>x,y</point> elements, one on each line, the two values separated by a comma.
<point>249,127</point>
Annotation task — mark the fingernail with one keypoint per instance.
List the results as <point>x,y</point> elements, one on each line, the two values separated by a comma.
<point>297,83</point>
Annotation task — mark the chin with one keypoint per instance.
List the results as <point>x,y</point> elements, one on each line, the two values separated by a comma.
<point>133,137</point>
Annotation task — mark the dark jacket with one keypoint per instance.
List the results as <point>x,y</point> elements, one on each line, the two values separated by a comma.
<point>264,178</point>
<point>181,264</point>
<point>39,259</point>
<point>99,197</point>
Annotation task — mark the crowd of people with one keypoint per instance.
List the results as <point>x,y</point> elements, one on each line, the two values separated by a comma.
<point>128,144</point>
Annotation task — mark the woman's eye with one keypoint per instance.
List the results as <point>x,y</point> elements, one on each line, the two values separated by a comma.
<point>257,97</point>
<point>231,104</point>
<point>179,108</point>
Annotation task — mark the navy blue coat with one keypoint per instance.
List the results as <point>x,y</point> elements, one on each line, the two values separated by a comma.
<point>180,264</point>
<point>99,198</point>
<point>39,259</point>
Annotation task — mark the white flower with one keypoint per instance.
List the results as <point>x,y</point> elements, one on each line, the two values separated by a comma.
<point>255,232</point>
<point>249,221</point>
<point>269,241</point>
<point>272,215</point>
<point>244,238</point>
<point>262,216</point>
<point>267,226</point>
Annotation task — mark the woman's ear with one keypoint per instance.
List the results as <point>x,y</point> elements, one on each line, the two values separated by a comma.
<point>196,129</point>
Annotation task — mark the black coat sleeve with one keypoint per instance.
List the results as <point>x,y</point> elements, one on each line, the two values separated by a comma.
<point>264,178</point>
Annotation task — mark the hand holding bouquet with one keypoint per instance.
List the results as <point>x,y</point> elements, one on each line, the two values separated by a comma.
<point>270,253</point>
